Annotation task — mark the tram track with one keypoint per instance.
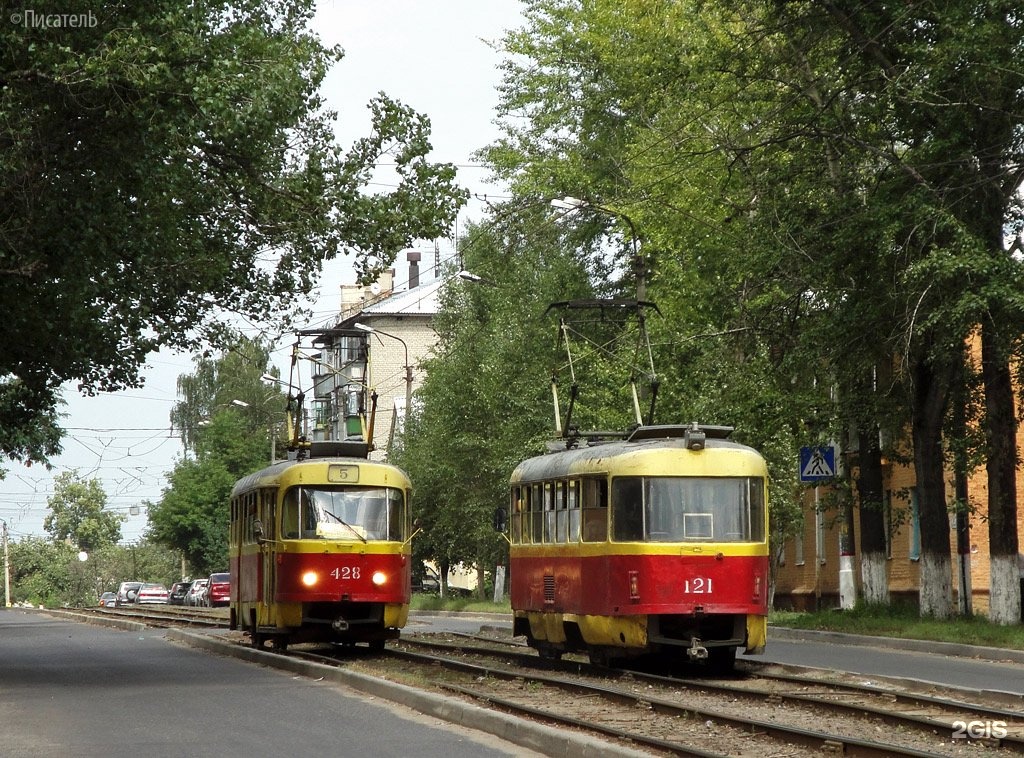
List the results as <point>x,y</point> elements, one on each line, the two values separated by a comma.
<point>760,713</point>
<point>793,709</point>
<point>162,616</point>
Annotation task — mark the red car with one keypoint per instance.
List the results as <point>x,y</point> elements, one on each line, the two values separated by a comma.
<point>218,591</point>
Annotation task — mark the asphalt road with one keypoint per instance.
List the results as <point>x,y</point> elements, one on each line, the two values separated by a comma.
<point>74,689</point>
<point>880,658</point>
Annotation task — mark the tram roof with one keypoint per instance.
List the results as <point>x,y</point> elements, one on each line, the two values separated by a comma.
<point>562,461</point>
<point>275,470</point>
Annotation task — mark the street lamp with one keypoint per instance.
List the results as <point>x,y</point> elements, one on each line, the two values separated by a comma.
<point>574,203</point>
<point>408,368</point>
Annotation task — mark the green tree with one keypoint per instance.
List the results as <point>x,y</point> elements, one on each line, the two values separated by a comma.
<point>77,514</point>
<point>485,403</point>
<point>170,163</point>
<point>41,572</point>
<point>231,379</point>
<point>620,104</point>
<point>228,442</point>
<point>827,183</point>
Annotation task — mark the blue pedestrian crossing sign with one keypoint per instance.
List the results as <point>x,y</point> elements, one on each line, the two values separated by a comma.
<point>817,463</point>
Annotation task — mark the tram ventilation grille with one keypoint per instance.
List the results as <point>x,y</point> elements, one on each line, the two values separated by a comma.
<point>549,588</point>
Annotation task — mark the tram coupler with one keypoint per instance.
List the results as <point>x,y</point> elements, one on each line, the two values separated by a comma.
<point>339,625</point>
<point>697,651</point>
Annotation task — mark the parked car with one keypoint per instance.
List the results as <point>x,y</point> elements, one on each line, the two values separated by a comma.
<point>196,594</point>
<point>176,595</point>
<point>218,590</point>
<point>108,600</point>
<point>152,593</point>
<point>127,592</point>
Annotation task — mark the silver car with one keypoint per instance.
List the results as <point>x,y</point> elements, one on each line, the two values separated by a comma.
<point>196,596</point>
<point>127,593</point>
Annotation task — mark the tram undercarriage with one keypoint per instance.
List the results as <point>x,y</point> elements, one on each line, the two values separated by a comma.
<point>713,639</point>
<point>338,623</point>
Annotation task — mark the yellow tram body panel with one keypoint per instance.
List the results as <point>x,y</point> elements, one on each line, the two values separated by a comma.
<point>621,631</point>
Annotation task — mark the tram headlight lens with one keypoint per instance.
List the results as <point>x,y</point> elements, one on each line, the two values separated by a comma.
<point>309,578</point>
<point>379,578</point>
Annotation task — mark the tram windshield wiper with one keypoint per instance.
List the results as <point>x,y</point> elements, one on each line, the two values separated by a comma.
<point>344,523</point>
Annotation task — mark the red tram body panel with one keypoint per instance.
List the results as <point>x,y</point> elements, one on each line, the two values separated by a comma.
<point>642,584</point>
<point>653,544</point>
<point>320,551</point>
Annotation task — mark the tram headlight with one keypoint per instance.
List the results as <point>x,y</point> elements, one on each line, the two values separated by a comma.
<point>379,578</point>
<point>309,578</point>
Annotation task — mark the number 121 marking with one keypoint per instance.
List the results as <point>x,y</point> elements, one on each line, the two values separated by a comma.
<point>699,585</point>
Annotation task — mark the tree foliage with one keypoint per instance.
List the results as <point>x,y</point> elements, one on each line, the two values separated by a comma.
<point>227,442</point>
<point>52,574</point>
<point>169,163</point>
<point>822,190</point>
<point>77,514</point>
<point>485,403</point>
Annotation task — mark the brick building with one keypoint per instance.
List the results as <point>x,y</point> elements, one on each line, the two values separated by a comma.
<point>401,336</point>
<point>809,573</point>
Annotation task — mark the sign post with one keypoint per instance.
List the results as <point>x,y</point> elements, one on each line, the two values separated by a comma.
<point>818,464</point>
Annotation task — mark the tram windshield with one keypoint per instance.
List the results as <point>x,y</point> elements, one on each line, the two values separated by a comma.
<point>343,513</point>
<point>688,509</point>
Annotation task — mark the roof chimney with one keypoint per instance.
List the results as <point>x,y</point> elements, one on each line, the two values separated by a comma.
<point>414,268</point>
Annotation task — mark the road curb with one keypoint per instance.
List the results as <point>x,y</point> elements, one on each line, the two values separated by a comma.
<point>538,737</point>
<point>98,620</point>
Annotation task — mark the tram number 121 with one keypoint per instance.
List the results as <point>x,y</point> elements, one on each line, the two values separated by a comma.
<point>698,585</point>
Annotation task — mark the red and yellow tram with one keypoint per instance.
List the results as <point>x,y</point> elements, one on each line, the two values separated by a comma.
<point>654,543</point>
<point>320,550</point>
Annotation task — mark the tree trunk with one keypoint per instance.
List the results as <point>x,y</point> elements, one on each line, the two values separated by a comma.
<point>1000,438</point>
<point>873,564</point>
<point>930,396</point>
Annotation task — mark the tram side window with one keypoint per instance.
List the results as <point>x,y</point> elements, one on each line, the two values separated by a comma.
<point>290,515</point>
<point>537,512</point>
<point>268,515</point>
<point>561,515</point>
<point>249,515</point>
<point>595,509</point>
<point>515,508</point>
<point>396,515</point>
<point>627,509</point>
<point>549,512</point>
<point>572,488</point>
<point>756,508</point>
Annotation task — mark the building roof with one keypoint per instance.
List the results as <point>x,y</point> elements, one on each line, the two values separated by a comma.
<point>418,301</point>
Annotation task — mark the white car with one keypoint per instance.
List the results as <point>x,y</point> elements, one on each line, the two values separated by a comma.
<point>197,593</point>
<point>151,593</point>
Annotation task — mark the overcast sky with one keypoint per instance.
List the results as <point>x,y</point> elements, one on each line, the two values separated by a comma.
<point>430,54</point>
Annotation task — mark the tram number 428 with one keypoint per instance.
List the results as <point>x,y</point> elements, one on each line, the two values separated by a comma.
<point>698,585</point>
<point>345,572</point>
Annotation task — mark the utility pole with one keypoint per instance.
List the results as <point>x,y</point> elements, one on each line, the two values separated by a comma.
<point>7,569</point>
